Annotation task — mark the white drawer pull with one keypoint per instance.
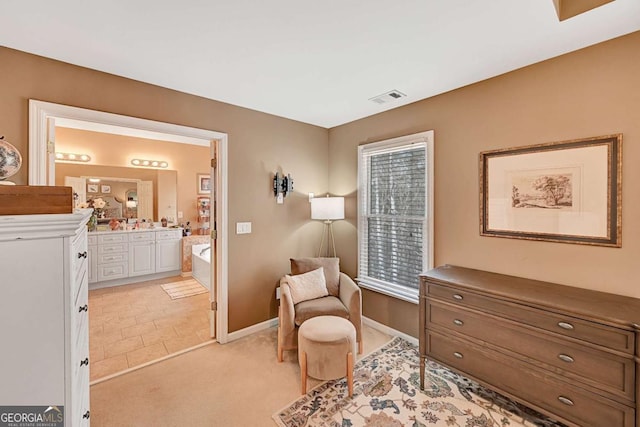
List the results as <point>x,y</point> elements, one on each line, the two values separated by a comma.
<point>458,322</point>
<point>565,400</point>
<point>565,358</point>
<point>565,325</point>
<point>458,355</point>
<point>458,297</point>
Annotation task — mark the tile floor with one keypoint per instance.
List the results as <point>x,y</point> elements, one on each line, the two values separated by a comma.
<point>133,324</point>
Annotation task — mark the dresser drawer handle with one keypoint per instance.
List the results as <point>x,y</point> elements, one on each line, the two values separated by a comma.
<point>458,297</point>
<point>565,400</point>
<point>83,308</point>
<point>565,325</point>
<point>86,415</point>
<point>458,322</point>
<point>82,254</point>
<point>565,358</point>
<point>84,362</point>
<point>458,355</point>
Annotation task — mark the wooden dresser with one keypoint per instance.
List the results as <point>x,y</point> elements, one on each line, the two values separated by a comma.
<point>570,353</point>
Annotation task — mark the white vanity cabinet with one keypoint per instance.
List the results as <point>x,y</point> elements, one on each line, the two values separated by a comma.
<point>142,253</point>
<point>122,257</point>
<point>168,247</point>
<point>44,313</point>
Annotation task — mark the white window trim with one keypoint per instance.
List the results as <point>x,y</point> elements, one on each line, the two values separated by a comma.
<point>427,138</point>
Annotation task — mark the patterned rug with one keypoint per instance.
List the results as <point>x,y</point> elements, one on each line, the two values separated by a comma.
<point>387,394</point>
<point>185,288</point>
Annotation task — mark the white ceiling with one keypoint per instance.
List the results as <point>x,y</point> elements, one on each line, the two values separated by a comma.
<point>314,61</point>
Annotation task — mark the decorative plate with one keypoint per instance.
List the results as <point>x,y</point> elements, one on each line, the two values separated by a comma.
<point>10,160</point>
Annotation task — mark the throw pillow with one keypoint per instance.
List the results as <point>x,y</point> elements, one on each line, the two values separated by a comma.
<point>330,266</point>
<point>307,286</point>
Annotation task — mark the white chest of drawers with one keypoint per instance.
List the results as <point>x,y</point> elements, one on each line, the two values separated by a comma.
<point>44,313</point>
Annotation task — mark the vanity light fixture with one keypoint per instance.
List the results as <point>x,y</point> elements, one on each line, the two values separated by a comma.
<point>149,163</point>
<point>73,157</point>
<point>94,180</point>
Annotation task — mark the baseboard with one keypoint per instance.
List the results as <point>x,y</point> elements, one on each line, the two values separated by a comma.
<point>232,336</point>
<point>186,274</point>
<point>387,330</point>
<point>274,322</point>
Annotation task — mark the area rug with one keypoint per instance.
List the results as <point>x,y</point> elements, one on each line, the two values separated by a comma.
<point>387,393</point>
<point>185,288</point>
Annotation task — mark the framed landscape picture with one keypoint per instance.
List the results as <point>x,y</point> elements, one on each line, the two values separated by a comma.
<point>569,191</point>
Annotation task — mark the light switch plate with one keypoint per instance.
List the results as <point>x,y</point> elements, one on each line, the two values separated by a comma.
<point>243,228</point>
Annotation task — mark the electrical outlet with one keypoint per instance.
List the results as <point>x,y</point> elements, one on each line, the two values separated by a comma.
<point>280,199</point>
<point>179,214</point>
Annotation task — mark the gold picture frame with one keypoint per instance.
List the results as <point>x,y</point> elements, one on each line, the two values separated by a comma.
<point>566,192</point>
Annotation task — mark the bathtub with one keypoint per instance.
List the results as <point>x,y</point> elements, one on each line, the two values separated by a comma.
<point>201,264</point>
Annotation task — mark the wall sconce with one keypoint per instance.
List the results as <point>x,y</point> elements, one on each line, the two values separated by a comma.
<point>72,157</point>
<point>281,186</point>
<point>149,163</point>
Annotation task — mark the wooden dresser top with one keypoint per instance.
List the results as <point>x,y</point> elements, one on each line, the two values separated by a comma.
<point>617,310</point>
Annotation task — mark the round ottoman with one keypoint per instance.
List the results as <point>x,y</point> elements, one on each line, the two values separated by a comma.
<point>326,349</point>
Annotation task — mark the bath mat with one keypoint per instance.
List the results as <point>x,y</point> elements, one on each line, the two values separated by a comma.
<point>386,393</point>
<point>185,288</point>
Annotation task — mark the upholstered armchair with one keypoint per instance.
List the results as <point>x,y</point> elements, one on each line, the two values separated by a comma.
<point>344,300</point>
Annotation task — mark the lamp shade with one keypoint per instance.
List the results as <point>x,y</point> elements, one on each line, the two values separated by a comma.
<point>327,208</point>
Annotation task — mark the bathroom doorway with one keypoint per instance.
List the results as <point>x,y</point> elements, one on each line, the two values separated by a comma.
<point>43,117</point>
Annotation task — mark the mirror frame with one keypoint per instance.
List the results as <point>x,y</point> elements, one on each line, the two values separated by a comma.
<point>42,172</point>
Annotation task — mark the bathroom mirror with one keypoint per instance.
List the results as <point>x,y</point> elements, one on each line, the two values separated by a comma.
<point>130,192</point>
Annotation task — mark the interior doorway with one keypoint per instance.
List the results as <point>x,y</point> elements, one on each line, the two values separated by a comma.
<point>42,119</point>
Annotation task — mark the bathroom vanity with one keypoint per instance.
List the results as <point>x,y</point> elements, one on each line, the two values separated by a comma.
<point>123,257</point>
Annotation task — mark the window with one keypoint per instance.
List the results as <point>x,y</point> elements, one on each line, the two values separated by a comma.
<point>395,214</point>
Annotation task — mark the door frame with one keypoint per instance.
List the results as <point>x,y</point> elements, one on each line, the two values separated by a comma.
<point>42,167</point>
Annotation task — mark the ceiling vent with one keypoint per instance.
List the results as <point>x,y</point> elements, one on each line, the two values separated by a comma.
<point>390,96</point>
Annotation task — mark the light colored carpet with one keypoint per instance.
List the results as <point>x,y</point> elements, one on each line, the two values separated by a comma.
<point>236,384</point>
<point>387,393</point>
<point>185,288</point>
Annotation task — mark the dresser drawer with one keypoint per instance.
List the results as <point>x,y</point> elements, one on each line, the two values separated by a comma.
<point>113,248</point>
<point>605,371</point>
<point>145,236</point>
<point>168,235</point>
<point>80,354</point>
<point>112,257</point>
<point>92,240</point>
<point>112,238</point>
<point>80,313</point>
<point>591,332</point>
<point>533,386</point>
<point>79,255</point>
<point>113,271</point>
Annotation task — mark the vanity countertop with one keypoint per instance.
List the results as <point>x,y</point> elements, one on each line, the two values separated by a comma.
<point>93,233</point>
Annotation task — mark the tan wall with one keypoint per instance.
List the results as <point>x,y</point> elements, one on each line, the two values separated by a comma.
<point>116,150</point>
<point>586,93</point>
<point>259,144</point>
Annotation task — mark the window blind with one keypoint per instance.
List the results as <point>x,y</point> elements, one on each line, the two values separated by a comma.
<point>393,215</point>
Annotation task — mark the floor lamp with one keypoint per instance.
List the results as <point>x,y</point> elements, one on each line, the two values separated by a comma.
<point>327,209</point>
